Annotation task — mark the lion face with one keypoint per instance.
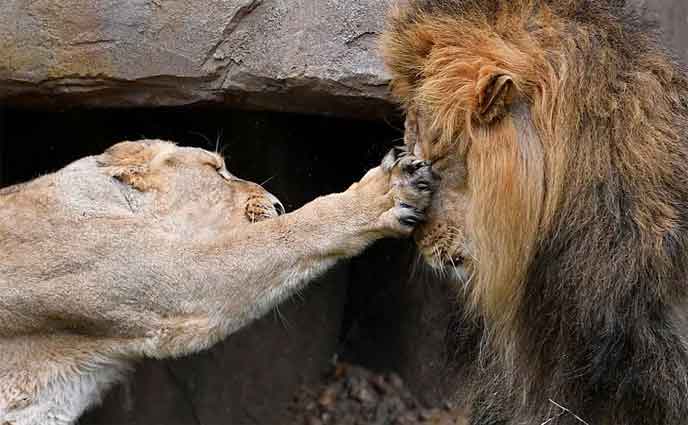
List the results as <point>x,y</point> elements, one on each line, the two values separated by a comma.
<point>444,238</point>
<point>480,117</point>
<point>191,187</point>
<point>485,216</point>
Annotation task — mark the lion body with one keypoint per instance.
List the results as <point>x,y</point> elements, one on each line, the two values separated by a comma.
<point>153,250</point>
<point>561,130</point>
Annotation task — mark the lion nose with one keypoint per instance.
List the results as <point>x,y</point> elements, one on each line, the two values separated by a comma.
<point>276,204</point>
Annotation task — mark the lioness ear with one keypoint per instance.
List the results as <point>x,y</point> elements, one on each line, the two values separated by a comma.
<point>494,91</point>
<point>135,163</point>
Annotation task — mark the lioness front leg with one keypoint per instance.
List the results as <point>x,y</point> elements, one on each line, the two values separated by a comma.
<point>253,268</point>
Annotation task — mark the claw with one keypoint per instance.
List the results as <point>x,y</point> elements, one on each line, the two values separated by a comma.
<point>414,182</point>
<point>419,163</point>
<point>410,221</point>
<point>393,157</point>
<point>413,166</point>
<point>400,151</point>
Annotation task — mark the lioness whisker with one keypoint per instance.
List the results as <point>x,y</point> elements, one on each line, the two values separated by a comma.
<point>267,180</point>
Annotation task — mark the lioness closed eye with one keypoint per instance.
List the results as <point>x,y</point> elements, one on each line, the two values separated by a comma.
<point>156,250</point>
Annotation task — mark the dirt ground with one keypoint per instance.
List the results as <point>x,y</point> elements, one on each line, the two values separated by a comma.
<point>353,395</point>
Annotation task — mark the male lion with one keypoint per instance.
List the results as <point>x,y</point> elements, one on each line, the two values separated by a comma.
<point>153,250</point>
<point>560,130</point>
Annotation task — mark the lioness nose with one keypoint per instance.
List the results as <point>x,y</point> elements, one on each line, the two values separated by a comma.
<point>276,204</point>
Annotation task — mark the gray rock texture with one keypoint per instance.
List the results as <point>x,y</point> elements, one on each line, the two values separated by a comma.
<point>672,15</point>
<point>297,55</point>
<point>286,55</point>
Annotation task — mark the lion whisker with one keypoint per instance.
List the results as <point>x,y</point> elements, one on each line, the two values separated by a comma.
<point>218,140</point>
<point>267,181</point>
<point>203,136</point>
<point>564,410</point>
<point>283,320</point>
<point>416,265</point>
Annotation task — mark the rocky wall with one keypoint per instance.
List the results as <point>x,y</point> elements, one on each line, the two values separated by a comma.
<point>285,55</point>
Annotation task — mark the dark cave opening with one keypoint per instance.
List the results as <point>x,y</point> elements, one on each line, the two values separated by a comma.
<point>328,153</point>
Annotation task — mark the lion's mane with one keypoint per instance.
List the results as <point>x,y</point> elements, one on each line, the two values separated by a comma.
<point>580,192</point>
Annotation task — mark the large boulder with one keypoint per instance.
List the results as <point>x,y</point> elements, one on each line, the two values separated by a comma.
<point>672,15</point>
<point>296,55</point>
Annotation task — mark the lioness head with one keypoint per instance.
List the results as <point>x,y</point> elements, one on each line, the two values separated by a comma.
<point>192,184</point>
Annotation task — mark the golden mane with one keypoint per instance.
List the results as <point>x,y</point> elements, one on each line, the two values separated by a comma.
<point>439,62</point>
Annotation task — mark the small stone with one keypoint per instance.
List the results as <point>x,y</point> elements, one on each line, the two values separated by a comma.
<point>314,421</point>
<point>328,398</point>
<point>380,384</point>
<point>363,394</point>
<point>396,381</point>
<point>427,415</point>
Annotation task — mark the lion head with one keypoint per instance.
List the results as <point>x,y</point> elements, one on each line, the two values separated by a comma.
<point>559,130</point>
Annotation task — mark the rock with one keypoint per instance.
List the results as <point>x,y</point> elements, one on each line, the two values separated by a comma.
<point>672,15</point>
<point>287,55</point>
<point>296,55</point>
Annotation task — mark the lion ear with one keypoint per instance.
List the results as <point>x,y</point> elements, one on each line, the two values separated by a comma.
<point>135,163</point>
<point>494,91</point>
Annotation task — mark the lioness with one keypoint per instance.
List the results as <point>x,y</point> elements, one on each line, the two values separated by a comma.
<point>154,250</point>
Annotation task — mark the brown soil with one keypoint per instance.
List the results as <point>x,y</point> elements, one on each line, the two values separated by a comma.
<point>353,395</point>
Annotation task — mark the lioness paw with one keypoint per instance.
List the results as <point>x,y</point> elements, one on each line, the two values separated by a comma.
<point>412,183</point>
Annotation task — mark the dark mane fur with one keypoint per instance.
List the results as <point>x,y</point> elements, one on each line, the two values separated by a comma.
<point>599,323</point>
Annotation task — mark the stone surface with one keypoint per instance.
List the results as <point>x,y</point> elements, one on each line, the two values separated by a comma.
<point>672,15</point>
<point>286,55</point>
<point>298,55</point>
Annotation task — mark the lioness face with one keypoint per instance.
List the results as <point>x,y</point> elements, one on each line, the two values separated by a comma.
<point>443,238</point>
<point>193,186</point>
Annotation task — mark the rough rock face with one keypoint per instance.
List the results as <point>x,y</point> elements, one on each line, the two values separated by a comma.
<point>297,55</point>
<point>672,16</point>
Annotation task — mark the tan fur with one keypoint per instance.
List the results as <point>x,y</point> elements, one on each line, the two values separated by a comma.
<point>154,250</point>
